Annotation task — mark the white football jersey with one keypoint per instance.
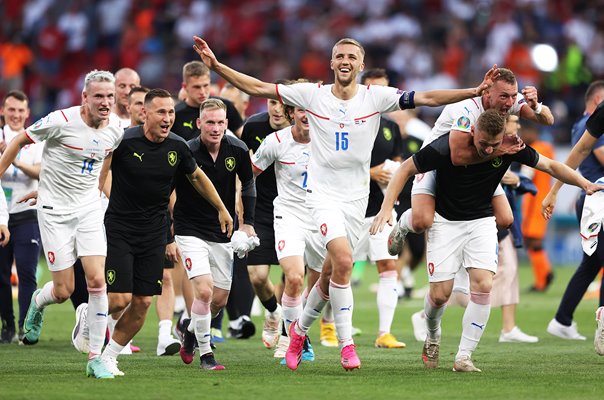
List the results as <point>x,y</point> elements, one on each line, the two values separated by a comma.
<point>72,158</point>
<point>343,133</point>
<point>462,115</point>
<point>15,182</point>
<point>291,171</point>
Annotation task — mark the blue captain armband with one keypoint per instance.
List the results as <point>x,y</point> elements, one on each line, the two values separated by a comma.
<point>406,102</point>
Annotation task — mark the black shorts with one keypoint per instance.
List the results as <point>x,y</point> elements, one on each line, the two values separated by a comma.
<point>264,254</point>
<point>417,244</point>
<point>135,262</point>
<point>168,264</point>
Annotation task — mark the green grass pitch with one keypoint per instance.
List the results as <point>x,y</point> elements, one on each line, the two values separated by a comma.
<point>550,369</point>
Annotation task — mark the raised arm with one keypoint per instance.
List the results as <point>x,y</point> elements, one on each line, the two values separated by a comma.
<point>249,84</point>
<point>578,153</point>
<point>536,112</point>
<point>12,150</point>
<point>405,171</point>
<point>205,187</point>
<point>434,98</point>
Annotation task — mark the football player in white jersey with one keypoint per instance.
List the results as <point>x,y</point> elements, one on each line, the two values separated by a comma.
<point>78,141</point>
<point>458,118</point>
<point>344,119</point>
<point>297,239</point>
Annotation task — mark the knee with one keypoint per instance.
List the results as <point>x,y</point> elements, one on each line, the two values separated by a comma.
<point>294,283</point>
<point>204,294</point>
<point>62,293</point>
<point>341,262</point>
<point>439,299</point>
<point>482,286</point>
<point>385,265</point>
<point>167,279</point>
<point>422,221</point>
<point>141,303</point>
<point>504,220</point>
<point>119,301</point>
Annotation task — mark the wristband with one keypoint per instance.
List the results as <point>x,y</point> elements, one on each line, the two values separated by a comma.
<point>539,108</point>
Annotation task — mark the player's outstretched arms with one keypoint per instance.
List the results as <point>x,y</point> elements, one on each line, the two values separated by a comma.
<point>435,98</point>
<point>567,175</point>
<point>206,189</point>
<point>535,111</point>
<point>576,156</point>
<point>11,151</point>
<point>406,170</point>
<point>249,84</point>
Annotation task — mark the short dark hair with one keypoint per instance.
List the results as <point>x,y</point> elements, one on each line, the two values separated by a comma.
<point>194,68</point>
<point>593,88</point>
<point>153,93</point>
<point>491,122</point>
<point>137,89</point>
<point>374,73</point>
<point>506,75</point>
<point>17,94</point>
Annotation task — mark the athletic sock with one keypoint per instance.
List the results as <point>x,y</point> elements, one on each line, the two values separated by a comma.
<point>165,328</point>
<point>292,309</point>
<point>328,313</point>
<point>434,315</point>
<point>387,298</point>
<point>406,221</point>
<point>98,306</point>
<point>46,296</point>
<point>112,350</point>
<point>474,322</point>
<point>200,322</point>
<point>111,324</point>
<point>314,304</point>
<point>270,304</point>
<point>343,304</point>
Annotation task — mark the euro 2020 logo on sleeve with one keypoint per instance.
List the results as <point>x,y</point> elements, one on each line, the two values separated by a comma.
<point>172,158</point>
<point>229,163</point>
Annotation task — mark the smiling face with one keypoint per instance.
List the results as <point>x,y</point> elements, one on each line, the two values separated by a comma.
<point>276,114</point>
<point>300,119</point>
<point>98,99</point>
<point>346,63</point>
<point>159,118</point>
<point>213,123</point>
<point>15,113</point>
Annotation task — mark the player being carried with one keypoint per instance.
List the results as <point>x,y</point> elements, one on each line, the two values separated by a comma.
<point>344,120</point>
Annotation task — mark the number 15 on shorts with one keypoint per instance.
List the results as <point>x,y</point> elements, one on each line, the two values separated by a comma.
<point>341,141</point>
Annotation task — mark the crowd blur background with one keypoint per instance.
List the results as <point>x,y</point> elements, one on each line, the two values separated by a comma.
<point>46,46</point>
<point>558,45</point>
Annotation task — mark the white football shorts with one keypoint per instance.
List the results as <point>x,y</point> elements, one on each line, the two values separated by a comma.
<point>201,257</point>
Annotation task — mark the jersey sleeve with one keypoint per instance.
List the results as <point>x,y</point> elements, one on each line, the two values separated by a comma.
<point>267,153</point>
<point>461,117</point>
<point>47,127</point>
<point>386,98</point>
<point>527,156</point>
<point>518,104</point>
<point>188,163</point>
<point>595,123</point>
<point>435,155</point>
<point>298,94</point>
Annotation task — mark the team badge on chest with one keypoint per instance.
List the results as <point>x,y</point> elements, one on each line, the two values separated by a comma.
<point>229,163</point>
<point>172,158</point>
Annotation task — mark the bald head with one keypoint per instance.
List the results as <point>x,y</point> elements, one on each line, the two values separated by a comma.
<point>125,80</point>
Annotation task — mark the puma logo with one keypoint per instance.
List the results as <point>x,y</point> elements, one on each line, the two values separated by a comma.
<point>481,327</point>
<point>140,157</point>
<point>346,308</point>
<point>188,124</point>
<point>259,139</point>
